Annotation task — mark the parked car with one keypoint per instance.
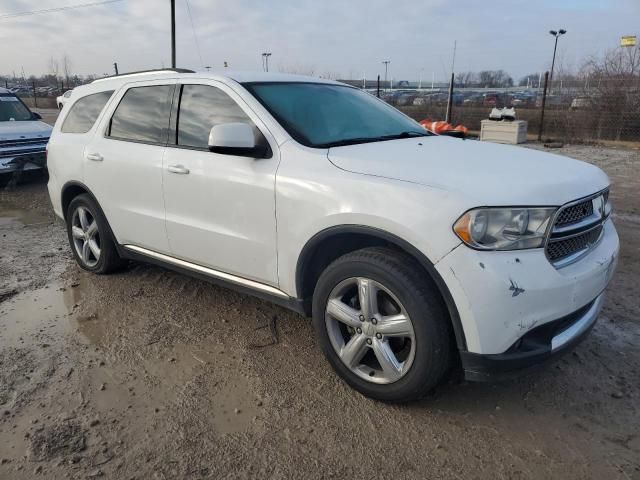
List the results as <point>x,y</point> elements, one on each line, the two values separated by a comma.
<point>23,137</point>
<point>324,199</point>
<point>62,99</point>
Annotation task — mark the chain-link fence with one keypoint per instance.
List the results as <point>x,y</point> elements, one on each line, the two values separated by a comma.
<point>590,109</point>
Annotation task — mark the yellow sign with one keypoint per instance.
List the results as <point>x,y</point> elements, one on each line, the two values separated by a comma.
<point>628,41</point>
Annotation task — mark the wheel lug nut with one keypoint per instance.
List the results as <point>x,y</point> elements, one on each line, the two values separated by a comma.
<point>378,336</point>
<point>374,320</point>
<point>368,341</point>
<point>359,330</point>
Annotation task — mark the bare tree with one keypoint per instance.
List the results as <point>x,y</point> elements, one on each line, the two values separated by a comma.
<point>467,79</point>
<point>614,88</point>
<point>66,67</point>
<point>532,80</point>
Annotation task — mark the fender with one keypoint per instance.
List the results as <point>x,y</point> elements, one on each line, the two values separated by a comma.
<point>310,246</point>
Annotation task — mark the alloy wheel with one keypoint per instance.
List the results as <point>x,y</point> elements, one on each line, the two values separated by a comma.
<point>86,237</point>
<point>370,330</point>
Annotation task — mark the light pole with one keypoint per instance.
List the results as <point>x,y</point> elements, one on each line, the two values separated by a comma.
<point>386,69</point>
<point>557,35</point>
<point>265,61</point>
<point>173,33</point>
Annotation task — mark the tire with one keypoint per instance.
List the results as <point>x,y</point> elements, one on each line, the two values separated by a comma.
<point>98,235</point>
<point>426,349</point>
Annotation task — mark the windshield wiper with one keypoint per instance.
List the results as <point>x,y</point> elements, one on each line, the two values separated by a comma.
<point>381,138</point>
<point>407,134</point>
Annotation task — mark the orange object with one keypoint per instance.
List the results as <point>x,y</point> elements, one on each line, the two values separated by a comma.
<point>462,128</point>
<point>442,126</point>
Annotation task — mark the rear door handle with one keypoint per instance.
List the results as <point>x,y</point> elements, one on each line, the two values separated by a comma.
<point>96,157</point>
<point>179,169</point>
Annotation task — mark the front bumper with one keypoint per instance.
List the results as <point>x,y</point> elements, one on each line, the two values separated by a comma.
<point>503,297</point>
<point>34,160</point>
<point>538,346</point>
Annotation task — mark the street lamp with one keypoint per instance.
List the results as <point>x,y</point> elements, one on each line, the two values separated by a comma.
<point>386,68</point>
<point>556,34</point>
<point>265,61</point>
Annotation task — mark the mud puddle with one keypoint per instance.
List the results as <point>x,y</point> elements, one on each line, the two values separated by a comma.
<point>117,376</point>
<point>11,215</point>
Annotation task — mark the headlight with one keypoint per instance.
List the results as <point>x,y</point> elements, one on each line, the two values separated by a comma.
<point>504,228</point>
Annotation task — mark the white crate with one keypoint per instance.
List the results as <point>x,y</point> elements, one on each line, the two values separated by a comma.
<point>503,132</point>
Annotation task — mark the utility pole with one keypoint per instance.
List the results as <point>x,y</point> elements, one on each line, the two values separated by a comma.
<point>544,101</point>
<point>173,33</point>
<point>450,99</point>
<point>115,67</point>
<point>265,61</point>
<point>386,69</point>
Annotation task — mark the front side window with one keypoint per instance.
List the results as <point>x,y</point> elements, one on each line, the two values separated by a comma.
<point>324,115</point>
<point>84,112</point>
<point>202,107</point>
<point>143,115</point>
<point>12,109</point>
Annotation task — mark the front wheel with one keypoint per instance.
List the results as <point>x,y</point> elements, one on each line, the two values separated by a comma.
<point>382,325</point>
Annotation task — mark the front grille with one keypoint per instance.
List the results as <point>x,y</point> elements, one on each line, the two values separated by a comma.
<point>23,152</point>
<point>558,249</point>
<point>577,228</point>
<point>575,213</point>
<point>23,142</point>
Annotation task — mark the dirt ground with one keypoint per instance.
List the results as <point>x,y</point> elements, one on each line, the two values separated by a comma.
<point>148,374</point>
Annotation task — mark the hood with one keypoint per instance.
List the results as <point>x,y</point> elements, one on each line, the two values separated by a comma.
<point>24,130</point>
<point>487,174</point>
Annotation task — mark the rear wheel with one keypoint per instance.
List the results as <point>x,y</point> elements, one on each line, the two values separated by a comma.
<point>382,325</point>
<point>90,236</point>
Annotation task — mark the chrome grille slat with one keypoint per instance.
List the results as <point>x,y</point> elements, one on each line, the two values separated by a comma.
<point>577,228</point>
<point>575,213</point>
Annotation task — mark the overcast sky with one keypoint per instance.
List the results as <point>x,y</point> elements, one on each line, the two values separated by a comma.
<point>341,38</point>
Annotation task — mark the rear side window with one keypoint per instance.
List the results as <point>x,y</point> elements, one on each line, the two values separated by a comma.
<point>84,112</point>
<point>202,107</point>
<point>143,115</point>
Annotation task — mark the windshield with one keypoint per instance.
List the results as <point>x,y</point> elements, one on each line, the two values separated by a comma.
<point>322,115</point>
<point>13,109</point>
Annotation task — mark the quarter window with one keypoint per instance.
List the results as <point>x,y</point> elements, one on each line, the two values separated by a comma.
<point>143,114</point>
<point>84,112</point>
<point>202,107</point>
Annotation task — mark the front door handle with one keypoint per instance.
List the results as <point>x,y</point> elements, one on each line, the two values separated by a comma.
<point>179,169</point>
<point>96,157</point>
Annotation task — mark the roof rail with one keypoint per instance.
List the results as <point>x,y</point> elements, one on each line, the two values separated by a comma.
<point>157,70</point>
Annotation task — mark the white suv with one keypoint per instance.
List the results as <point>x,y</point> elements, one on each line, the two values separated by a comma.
<point>414,253</point>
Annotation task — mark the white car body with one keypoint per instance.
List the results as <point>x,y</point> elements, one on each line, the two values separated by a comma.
<point>62,99</point>
<point>249,222</point>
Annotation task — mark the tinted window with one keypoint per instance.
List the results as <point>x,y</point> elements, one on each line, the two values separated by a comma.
<point>325,115</point>
<point>202,107</point>
<point>84,112</point>
<point>143,114</point>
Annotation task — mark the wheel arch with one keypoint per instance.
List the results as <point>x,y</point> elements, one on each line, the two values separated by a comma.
<point>333,242</point>
<point>71,190</point>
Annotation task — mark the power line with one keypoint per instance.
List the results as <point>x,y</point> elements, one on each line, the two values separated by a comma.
<point>195,36</point>
<point>55,9</point>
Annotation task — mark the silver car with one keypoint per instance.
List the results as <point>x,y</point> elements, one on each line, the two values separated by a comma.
<point>23,136</point>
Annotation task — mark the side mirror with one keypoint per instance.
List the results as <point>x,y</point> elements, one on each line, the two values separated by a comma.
<point>36,116</point>
<point>235,139</point>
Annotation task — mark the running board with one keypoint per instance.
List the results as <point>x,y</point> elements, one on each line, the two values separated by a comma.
<point>227,277</point>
